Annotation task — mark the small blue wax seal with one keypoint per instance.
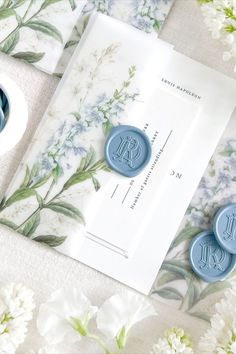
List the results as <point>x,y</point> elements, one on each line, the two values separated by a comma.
<point>224,227</point>
<point>127,150</point>
<point>208,259</point>
<point>2,119</point>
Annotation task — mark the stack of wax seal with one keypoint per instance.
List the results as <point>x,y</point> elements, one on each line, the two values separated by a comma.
<point>4,109</point>
<point>213,252</point>
<point>13,114</point>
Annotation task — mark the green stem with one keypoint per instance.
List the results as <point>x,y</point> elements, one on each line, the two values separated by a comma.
<point>99,341</point>
<point>49,190</point>
<point>11,33</point>
<point>29,217</point>
<point>20,25</point>
<point>38,210</point>
<point>28,9</point>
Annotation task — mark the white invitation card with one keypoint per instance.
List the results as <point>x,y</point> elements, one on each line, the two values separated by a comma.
<point>216,95</point>
<point>122,209</point>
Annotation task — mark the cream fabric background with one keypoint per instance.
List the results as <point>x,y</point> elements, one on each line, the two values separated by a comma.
<point>45,270</point>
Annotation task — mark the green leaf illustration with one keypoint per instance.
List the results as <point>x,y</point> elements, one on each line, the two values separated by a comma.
<point>41,181</point>
<point>57,172</point>
<point>227,152</point>
<point>77,178</point>
<point>72,4</point>
<point>90,158</point>
<point>67,210</point>
<point>11,43</point>
<point>107,127</point>
<point>8,223</point>
<point>29,57</point>
<point>20,194</point>
<point>213,288</point>
<point>31,225</point>
<point>168,277</point>
<point>186,234</point>
<point>5,13</point>
<point>70,44</point>
<point>46,28</point>
<point>178,267</point>
<point>96,183</point>
<point>27,177</point>
<point>50,240</point>
<point>18,3</point>
<point>192,294</point>
<point>169,293</point>
<point>202,315</point>
<point>47,3</point>
<point>2,203</point>
<point>157,26</point>
<point>77,115</point>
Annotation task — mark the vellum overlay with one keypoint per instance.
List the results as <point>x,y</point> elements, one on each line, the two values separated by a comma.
<point>129,204</point>
<point>112,71</point>
<point>37,31</point>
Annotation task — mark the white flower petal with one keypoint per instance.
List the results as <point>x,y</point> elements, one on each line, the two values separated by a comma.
<point>55,316</point>
<point>123,311</point>
<point>16,306</point>
<point>175,341</point>
<point>220,338</point>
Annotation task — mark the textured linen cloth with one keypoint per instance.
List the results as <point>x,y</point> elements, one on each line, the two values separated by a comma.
<point>43,269</point>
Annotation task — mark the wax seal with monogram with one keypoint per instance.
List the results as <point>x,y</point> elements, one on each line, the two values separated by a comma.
<point>224,226</point>
<point>208,259</point>
<point>127,150</point>
<point>13,114</point>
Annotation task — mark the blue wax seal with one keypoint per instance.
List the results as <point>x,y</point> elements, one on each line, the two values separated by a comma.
<point>2,119</point>
<point>4,109</point>
<point>208,259</point>
<point>127,150</point>
<point>224,227</point>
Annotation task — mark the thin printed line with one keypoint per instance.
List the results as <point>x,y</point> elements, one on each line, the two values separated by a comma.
<point>126,195</point>
<point>163,147</point>
<point>114,191</point>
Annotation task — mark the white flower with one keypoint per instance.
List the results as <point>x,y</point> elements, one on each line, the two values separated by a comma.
<point>65,316</point>
<point>175,341</point>
<point>44,350</point>
<point>16,306</point>
<point>119,313</point>
<point>220,18</point>
<point>221,337</point>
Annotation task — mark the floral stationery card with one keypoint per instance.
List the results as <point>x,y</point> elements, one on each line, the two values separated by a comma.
<point>176,283</point>
<point>216,96</point>
<point>64,167</point>
<point>45,33</point>
<point>37,31</point>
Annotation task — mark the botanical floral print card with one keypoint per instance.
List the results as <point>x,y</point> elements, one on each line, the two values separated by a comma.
<point>36,31</point>
<point>216,95</point>
<point>45,33</point>
<point>176,284</point>
<point>110,73</point>
<point>146,15</point>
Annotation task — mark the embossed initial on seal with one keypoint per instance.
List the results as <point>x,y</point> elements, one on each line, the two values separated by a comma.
<point>212,257</point>
<point>128,151</point>
<point>230,229</point>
